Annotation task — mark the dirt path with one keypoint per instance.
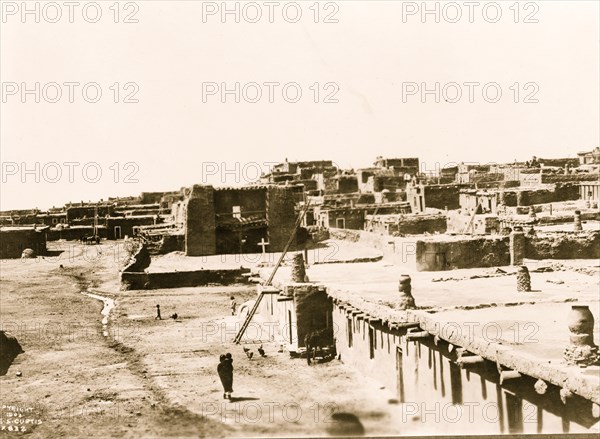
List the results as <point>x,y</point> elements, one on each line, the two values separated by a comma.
<point>75,381</point>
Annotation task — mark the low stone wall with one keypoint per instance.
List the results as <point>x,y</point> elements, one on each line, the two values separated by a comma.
<point>490,252</point>
<point>13,242</point>
<point>468,253</point>
<point>181,279</point>
<point>139,259</point>
<point>407,225</point>
<point>418,225</point>
<point>168,244</point>
<point>581,245</point>
<point>75,233</point>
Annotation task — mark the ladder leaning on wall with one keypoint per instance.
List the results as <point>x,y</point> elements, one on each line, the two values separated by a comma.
<point>250,315</point>
<point>471,220</point>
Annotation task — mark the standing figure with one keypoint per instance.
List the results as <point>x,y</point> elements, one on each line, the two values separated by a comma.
<point>158,317</point>
<point>233,305</point>
<point>225,371</point>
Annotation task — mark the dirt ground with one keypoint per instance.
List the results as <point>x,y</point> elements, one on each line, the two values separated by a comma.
<point>157,378</point>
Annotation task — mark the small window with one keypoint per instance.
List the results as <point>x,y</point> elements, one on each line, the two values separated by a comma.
<point>54,220</point>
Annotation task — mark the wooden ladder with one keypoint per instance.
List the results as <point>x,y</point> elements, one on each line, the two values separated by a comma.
<point>250,315</point>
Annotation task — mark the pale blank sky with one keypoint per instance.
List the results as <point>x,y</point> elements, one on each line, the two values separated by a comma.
<point>369,54</point>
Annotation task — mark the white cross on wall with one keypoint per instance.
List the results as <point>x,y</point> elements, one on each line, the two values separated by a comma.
<point>263,244</point>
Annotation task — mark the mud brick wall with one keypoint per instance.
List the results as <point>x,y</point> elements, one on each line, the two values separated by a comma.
<point>487,177</point>
<point>250,201</point>
<point>74,212</point>
<point>451,255</point>
<point>562,192</point>
<point>353,218</point>
<point>562,178</point>
<point>347,185</point>
<point>440,196</point>
<point>381,182</point>
<point>313,308</point>
<point>560,162</point>
<point>200,238</point>
<point>139,259</point>
<point>74,234</point>
<point>13,242</point>
<point>281,216</point>
<point>415,225</point>
<point>582,245</point>
<point>181,279</point>
<point>151,197</point>
<point>126,224</point>
<point>498,184</point>
<point>171,243</point>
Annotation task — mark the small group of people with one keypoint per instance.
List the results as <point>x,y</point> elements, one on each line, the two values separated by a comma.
<point>225,371</point>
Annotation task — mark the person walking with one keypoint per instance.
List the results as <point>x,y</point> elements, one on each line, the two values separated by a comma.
<point>158,317</point>
<point>225,371</point>
<point>233,305</point>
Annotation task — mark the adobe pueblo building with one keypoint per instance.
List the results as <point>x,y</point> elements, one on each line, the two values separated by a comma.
<point>235,220</point>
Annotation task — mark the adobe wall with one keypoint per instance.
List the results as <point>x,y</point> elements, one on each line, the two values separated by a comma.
<point>427,378</point>
<point>13,242</point>
<point>490,252</point>
<point>353,218</point>
<point>139,257</point>
<point>75,233</point>
<point>463,253</point>
<point>581,245</point>
<point>561,192</point>
<point>281,216</point>
<point>200,238</point>
<point>181,279</point>
<point>481,224</point>
<point>79,212</point>
<point>564,178</point>
<point>413,225</point>
<point>250,200</point>
<point>126,224</point>
<point>441,196</point>
<point>313,308</point>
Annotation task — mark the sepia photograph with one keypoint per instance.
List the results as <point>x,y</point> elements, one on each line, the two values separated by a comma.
<point>300,219</point>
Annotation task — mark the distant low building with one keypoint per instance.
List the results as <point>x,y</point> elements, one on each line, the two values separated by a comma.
<point>590,191</point>
<point>589,157</point>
